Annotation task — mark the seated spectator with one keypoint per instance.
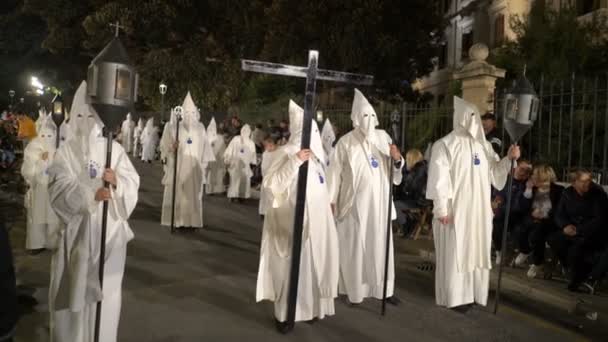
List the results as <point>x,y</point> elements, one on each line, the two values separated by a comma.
<point>411,193</point>
<point>539,224</point>
<point>581,218</point>
<point>520,205</point>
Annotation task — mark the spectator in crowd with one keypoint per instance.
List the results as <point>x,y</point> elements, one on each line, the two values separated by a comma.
<point>27,128</point>
<point>488,120</point>
<point>284,131</point>
<point>411,194</point>
<point>7,144</point>
<point>258,136</point>
<point>581,217</point>
<point>539,224</point>
<point>8,289</point>
<point>520,205</point>
<point>274,130</point>
<point>234,128</point>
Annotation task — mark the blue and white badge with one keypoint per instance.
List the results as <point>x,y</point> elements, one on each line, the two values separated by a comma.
<point>374,162</point>
<point>93,168</point>
<point>321,179</point>
<point>476,160</point>
<point>189,141</point>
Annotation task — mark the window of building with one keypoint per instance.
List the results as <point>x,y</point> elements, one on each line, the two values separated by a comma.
<point>467,42</point>
<point>499,30</point>
<point>587,6</point>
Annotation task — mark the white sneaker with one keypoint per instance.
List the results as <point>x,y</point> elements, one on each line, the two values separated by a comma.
<point>498,258</point>
<point>521,259</point>
<point>533,271</point>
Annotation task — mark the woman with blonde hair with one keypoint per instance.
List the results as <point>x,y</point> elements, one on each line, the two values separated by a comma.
<point>411,193</point>
<point>539,224</point>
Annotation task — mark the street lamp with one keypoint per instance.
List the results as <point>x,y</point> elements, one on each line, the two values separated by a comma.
<point>11,95</point>
<point>162,87</point>
<point>58,116</point>
<point>319,116</point>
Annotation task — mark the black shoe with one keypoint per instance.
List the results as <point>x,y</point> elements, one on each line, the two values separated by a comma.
<point>283,327</point>
<point>37,251</point>
<point>462,309</point>
<point>312,321</point>
<point>393,300</point>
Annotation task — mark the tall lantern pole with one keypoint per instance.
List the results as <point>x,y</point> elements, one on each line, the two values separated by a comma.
<point>112,89</point>
<point>519,113</point>
<point>162,87</point>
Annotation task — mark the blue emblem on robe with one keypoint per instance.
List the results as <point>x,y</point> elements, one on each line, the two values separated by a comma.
<point>92,169</point>
<point>476,160</point>
<point>374,162</point>
<point>321,179</point>
<point>189,141</point>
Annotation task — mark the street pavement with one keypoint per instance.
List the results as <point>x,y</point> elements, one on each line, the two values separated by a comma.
<point>200,286</point>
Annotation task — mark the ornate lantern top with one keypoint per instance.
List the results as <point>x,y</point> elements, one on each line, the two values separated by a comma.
<point>58,113</point>
<point>520,108</point>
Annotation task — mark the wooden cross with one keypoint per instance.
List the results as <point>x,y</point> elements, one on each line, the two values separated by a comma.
<point>312,73</point>
<point>118,27</point>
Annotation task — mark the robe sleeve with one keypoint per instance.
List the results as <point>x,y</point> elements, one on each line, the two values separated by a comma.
<point>124,196</point>
<point>398,172</point>
<point>499,169</point>
<point>281,175</point>
<point>228,153</point>
<point>69,192</point>
<point>439,184</point>
<point>334,173</point>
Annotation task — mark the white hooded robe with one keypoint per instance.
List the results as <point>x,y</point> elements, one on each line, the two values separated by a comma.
<point>329,137</point>
<point>217,169</point>
<point>194,154</point>
<point>75,176</point>
<point>137,135</point>
<point>149,141</point>
<point>126,130</point>
<point>42,223</point>
<point>462,170</point>
<point>359,187</point>
<point>239,155</point>
<point>319,266</point>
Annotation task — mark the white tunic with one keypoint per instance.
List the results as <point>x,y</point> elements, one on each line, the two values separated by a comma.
<point>239,155</point>
<point>359,186</point>
<point>194,153</point>
<point>137,138</point>
<point>75,177</point>
<point>149,141</point>
<point>42,223</point>
<point>319,266</point>
<point>265,198</point>
<point>127,129</point>
<point>462,170</point>
<point>217,169</point>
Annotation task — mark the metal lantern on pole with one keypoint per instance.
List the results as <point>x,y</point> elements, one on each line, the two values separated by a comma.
<point>162,87</point>
<point>112,90</point>
<point>58,116</point>
<point>520,110</point>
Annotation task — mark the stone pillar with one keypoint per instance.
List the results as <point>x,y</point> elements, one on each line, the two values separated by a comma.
<point>478,79</point>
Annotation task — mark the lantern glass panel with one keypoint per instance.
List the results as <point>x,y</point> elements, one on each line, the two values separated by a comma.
<point>534,109</point>
<point>511,108</point>
<point>123,85</point>
<point>58,107</point>
<point>92,80</point>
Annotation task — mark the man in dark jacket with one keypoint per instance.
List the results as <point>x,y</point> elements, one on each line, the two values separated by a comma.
<point>581,217</point>
<point>410,194</point>
<point>520,205</point>
<point>488,120</point>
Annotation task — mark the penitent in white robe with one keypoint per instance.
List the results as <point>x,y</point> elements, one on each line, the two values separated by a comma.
<point>126,130</point>
<point>137,135</point>
<point>319,266</point>
<point>462,170</point>
<point>194,154</point>
<point>149,141</point>
<point>75,289</point>
<point>359,186</point>
<point>216,169</point>
<point>42,223</point>
<point>239,155</point>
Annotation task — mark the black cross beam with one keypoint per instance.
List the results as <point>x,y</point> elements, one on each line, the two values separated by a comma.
<point>312,73</point>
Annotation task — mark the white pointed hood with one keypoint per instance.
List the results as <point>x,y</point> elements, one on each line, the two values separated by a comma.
<point>84,121</point>
<point>212,131</point>
<point>42,115</point>
<point>328,136</point>
<point>296,122</point>
<point>365,121</point>
<point>467,118</point>
<point>245,134</point>
<point>190,113</point>
<point>47,133</point>
<point>140,123</point>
